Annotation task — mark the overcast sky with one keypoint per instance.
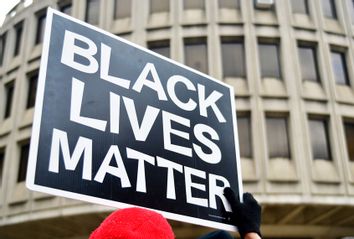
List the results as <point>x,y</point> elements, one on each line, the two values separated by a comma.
<point>5,7</point>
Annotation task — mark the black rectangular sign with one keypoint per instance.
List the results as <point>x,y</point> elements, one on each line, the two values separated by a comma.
<point>119,125</point>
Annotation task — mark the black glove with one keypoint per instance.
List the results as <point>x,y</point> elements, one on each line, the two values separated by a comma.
<point>246,216</point>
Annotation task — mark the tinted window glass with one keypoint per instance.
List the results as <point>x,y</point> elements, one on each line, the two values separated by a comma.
<point>233,59</point>
<point>339,68</point>
<point>160,47</point>
<point>319,139</point>
<point>308,62</point>
<point>349,135</point>
<point>92,11</point>
<point>245,135</point>
<point>195,54</point>
<point>299,6</point>
<point>159,6</point>
<point>122,8</point>
<point>277,137</point>
<point>269,59</point>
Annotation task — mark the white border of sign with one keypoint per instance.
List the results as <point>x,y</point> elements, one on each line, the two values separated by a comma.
<point>37,122</point>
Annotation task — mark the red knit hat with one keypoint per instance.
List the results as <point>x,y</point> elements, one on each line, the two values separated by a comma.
<point>134,223</point>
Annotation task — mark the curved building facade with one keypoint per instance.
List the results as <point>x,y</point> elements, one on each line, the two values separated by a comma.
<point>291,63</point>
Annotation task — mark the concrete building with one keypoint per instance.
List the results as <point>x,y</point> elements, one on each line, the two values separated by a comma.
<point>291,63</point>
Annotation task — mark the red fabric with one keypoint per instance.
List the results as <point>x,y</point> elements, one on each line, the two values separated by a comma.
<point>134,223</point>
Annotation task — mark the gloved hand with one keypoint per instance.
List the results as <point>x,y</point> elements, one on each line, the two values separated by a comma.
<point>246,216</point>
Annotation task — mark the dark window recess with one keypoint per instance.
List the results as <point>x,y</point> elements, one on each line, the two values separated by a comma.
<point>270,60</point>
<point>2,47</point>
<point>22,171</point>
<point>18,38</point>
<point>196,54</point>
<point>2,159</point>
<point>40,28</point>
<point>329,9</point>
<point>340,70</point>
<point>349,135</point>
<point>230,4</point>
<point>9,90</point>
<point>245,135</point>
<point>309,64</point>
<point>67,8</point>
<point>92,11</point>
<point>320,139</point>
<point>278,137</point>
<point>160,47</point>
<point>159,6</point>
<point>300,6</point>
<point>32,90</point>
<point>233,59</point>
<point>194,4</point>
<point>122,9</point>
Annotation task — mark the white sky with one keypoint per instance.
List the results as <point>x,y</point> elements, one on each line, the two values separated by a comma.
<point>5,7</point>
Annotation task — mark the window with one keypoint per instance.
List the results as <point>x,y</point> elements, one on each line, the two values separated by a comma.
<point>245,135</point>
<point>196,54</point>
<point>122,8</point>
<point>9,90</point>
<point>308,62</point>
<point>319,139</point>
<point>66,8</point>
<point>2,47</point>
<point>18,39</point>
<point>340,67</point>
<point>160,47</point>
<point>23,163</point>
<point>2,159</point>
<point>329,9</point>
<point>349,135</point>
<point>32,89</point>
<point>352,10</point>
<point>269,60</point>
<point>300,6</point>
<point>159,6</point>
<point>92,11</point>
<point>194,4</point>
<point>40,28</point>
<point>233,58</point>
<point>231,4</point>
<point>277,137</point>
